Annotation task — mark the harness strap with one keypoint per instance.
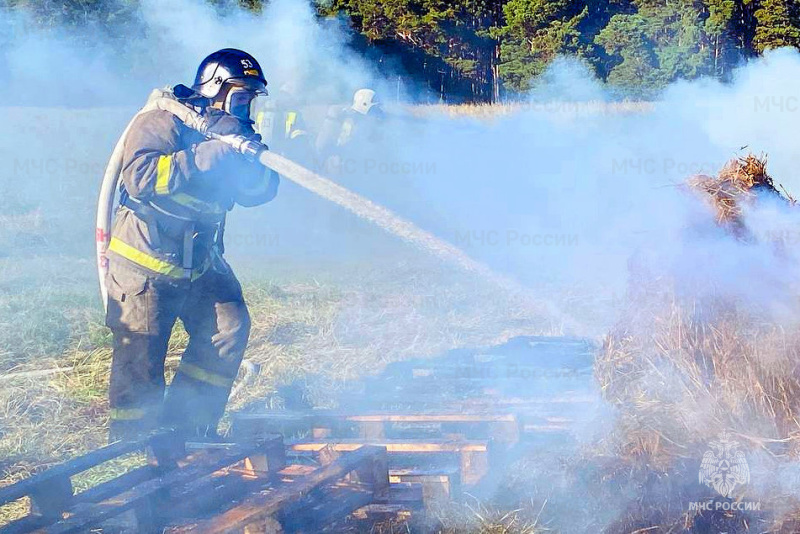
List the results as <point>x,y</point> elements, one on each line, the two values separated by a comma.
<point>188,247</point>
<point>149,215</point>
<point>219,242</point>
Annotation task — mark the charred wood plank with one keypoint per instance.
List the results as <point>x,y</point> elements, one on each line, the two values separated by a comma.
<point>437,484</point>
<point>97,493</point>
<point>473,455</point>
<point>261,506</point>
<point>76,465</point>
<point>142,496</point>
<point>335,503</point>
<point>408,446</point>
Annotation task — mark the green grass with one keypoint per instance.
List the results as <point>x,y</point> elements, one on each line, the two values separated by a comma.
<point>48,305</point>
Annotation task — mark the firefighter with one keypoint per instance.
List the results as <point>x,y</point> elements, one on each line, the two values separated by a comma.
<point>165,254</point>
<point>282,126</point>
<point>348,132</point>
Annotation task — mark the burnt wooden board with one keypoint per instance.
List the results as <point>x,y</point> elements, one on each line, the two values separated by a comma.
<point>270,502</point>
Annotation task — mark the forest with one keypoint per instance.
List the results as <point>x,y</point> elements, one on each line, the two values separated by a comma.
<point>490,51</point>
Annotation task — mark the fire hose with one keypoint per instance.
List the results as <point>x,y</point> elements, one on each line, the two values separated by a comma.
<point>163,99</point>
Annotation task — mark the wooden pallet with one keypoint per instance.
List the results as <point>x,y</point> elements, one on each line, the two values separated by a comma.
<point>503,428</point>
<point>368,482</point>
<point>240,486</point>
<point>152,492</point>
<point>421,432</point>
<point>470,457</point>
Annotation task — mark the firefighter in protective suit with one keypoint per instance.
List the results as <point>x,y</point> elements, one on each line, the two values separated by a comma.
<point>282,126</point>
<point>348,133</point>
<point>165,254</point>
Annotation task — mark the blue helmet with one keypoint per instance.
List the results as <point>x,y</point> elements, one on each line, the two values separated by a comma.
<point>229,66</point>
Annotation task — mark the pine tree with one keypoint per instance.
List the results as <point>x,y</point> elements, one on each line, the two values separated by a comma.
<point>448,43</point>
<point>778,24</point>
<point>626,37</point>
<point>99,13</point>
<point>535,32</point>
<point>719,27</point>
<point>662,41</point>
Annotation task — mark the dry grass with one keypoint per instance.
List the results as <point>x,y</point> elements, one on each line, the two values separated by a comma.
<point>477,517</point>
<point>687,363</point>
<point>329,335</point>
<point>493,111</point>
<point>684,364</point>
<point>738,185</point>
<point>684,371</point>
<point>470,517</point>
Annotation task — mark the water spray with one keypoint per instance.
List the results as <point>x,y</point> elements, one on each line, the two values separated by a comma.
<point>324,187</point>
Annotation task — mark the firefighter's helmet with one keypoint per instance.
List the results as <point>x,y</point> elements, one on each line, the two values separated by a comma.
<point>229,66</point>
<point>364,100</point>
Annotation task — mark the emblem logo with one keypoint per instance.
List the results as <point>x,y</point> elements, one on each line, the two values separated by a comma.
<point>724,466</point>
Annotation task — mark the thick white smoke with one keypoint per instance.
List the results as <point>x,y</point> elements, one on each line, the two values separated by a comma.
<point>559,194</point>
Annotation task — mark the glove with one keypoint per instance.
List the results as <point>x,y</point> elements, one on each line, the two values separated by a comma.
<point>209,154</point>
<point>222,123</point>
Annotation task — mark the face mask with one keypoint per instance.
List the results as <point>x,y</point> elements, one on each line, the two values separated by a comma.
<point>242,103</point>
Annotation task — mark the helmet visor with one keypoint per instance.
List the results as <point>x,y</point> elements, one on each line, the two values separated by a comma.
<point>242,102</point>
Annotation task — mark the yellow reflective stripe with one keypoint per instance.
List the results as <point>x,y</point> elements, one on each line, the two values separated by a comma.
<point>291,117</point>
<point>163,174</point>
<point>204,376</point>
<point>297,133</point>
<point>195,203</point>
<point>145,260</point>
<point>127,414</point>
<point>197,273</point>
<point>345,132</point>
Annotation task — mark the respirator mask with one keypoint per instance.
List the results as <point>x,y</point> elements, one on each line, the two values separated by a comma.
<point>243,102</point>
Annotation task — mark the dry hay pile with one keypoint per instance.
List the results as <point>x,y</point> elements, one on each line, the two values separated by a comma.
<point>740,183</point>
<point>683,365</point>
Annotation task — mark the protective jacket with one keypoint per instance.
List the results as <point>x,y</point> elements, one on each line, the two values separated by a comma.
<point>177,189</point>
<point>346,138</point>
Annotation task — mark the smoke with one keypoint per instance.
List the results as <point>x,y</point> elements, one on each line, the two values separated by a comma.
<point>559,194</point>
<point>538,194</point>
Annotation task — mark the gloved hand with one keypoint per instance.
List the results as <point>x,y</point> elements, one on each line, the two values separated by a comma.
<point>211,153</point>
<point>222,123</point>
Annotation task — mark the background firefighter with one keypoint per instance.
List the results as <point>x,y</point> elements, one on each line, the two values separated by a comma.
<point>165,254</point>
<point>349,133</point>
<point>282,126</point>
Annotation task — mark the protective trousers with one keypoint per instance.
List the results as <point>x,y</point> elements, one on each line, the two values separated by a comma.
<point>142,310</point>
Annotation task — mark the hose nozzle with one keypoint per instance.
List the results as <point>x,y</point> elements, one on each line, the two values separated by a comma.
<point>248,147</point>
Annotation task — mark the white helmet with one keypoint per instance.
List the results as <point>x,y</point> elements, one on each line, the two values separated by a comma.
<point>364,100</point>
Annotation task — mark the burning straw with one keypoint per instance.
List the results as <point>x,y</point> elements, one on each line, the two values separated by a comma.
<point>684,364</point>
<point>740,183</point>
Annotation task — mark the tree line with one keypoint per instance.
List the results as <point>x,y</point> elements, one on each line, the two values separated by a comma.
<point>480,50</point>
